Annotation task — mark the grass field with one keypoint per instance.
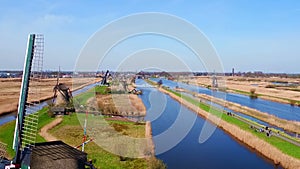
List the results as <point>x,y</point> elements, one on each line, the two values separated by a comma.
<point>7,136</point>
<point>71,132</point>
<point>7,130</point>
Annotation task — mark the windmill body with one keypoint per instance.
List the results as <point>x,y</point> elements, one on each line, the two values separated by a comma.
<point>62,99</point>
<point>63,94</point>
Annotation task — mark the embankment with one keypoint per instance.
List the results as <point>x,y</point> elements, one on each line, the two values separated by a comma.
<point>246,137</point>
<point>148,136</point>
<point>292,126</point>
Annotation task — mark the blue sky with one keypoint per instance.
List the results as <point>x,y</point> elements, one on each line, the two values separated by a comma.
<point>249,35</point>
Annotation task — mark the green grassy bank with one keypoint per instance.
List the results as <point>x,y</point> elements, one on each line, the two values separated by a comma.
<point>286,147</point>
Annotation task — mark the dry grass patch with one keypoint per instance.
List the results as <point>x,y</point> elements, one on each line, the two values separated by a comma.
<point>121,104</point>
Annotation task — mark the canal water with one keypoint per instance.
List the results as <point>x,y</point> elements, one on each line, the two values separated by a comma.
<point>280,110</point>
<point>10,117</point>
<point>219,151</point>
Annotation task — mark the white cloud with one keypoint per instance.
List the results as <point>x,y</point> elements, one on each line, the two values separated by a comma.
<point>57,19</point>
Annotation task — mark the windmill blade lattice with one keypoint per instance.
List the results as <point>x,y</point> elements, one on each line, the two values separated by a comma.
<point>34,93</point>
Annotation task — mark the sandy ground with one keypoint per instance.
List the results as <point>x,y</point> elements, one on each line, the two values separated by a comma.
<point>44,131</point>
<point>259,84</point>
<point>39,90</point>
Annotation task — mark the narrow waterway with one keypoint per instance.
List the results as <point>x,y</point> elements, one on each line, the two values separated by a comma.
<point>10,117</point>
<point>219,151</point>
<point>280,110</point>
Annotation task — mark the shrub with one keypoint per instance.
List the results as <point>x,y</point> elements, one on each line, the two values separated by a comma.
<point>292,102</point>
<point>50,113</point>
<point>156,163</point>
<point>253,95</point>
<point>270,86</point>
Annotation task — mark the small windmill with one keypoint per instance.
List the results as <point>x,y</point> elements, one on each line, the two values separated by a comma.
<point>104,78</point>
<point>214,81</point>
<point>62,98</point>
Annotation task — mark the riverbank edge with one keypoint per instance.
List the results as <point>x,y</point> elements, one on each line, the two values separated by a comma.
<point>262,147</point>
<point>149,137</point>
<point>287,125</point>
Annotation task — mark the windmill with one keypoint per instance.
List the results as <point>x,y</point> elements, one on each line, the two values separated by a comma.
<point>104,79</point>
<point>124,84</point>
<point>62,98</point>
<point>28,153</point>
<point>27,119</point>
<point>214,81</point>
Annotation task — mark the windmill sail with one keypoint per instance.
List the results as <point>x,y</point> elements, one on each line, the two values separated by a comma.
<point>27,119</point>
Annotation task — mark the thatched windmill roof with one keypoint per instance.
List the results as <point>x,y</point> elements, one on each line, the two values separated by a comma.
<point>62,87</point>
<point>54,155</point>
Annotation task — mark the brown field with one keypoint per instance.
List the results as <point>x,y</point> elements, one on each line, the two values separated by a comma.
<point>39,90</point>
<point>262,86</point>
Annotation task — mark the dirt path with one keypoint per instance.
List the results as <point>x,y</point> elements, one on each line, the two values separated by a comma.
<point>44,131</point>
